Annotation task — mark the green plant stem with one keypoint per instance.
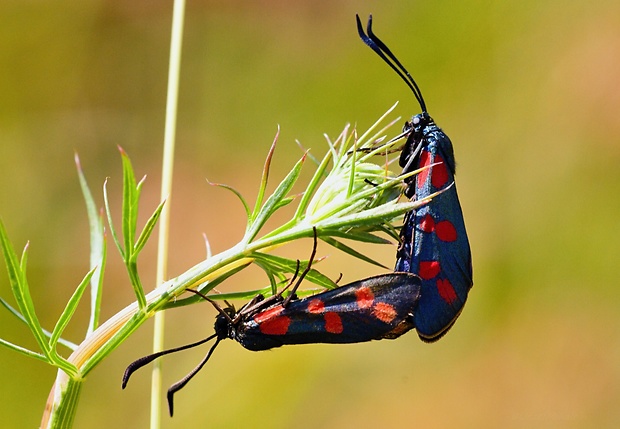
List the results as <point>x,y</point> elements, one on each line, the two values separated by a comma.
<point>63,398</point>
<point>63,412</point>
<point>166,192</point>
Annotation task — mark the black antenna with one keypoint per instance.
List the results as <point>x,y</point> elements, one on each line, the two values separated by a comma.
<point>384,52</point>
<point>182,382</point>
<point>137,364</point>
<point>215,305</point>
<point>306,271</point>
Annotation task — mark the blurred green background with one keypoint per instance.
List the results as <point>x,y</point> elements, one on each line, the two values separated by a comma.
<point>528,91</point>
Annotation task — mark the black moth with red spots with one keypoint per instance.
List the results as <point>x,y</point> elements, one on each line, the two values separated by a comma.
<point>434,242</point>
<point>370,309</point>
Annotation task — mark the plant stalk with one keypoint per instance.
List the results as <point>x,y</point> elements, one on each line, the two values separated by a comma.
<point>176,42</point>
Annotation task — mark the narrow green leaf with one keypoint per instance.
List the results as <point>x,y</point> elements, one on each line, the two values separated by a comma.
<point>343,247</point>
<point>374,190</point>
<point>308,153</point>
<point>18,281</point>
<point>264,178</point>
<point>67,313</point>
<point>238,194</point>
<point>345,138</point>
<point>353,208</point>
<point>23,263</point>
<point>330,212</point>
<point>148,228</point>
<point>270,275</point>
<point>274,200</point>
<point>108,211</point>
<point>374,148</point>
<point>130,203</point>
<point>353,164</point>
<point>309,292</point>
<point>131,196</point>
<point>284,202</point>
<point>277,263</point>
<point>370,217</point>
<point>377,122</point>
<point>249,294</point>
<point>357,235</point>
<point>97,285</point>
<point>19,287</point>
<point>390,230</point>
<point>97,249</point>
<point>281,264</point>
<point>139,186</point>
<point>23,350</point>
<point>47,333</point>
<point>312,186</point>
<point>320,279</point>
<point>332,145</point>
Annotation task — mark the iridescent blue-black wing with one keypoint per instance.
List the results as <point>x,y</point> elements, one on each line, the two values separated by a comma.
<point>370,309</point>
<point>434,240</point>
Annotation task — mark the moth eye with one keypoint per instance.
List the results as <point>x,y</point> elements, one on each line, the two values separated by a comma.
<point>415,120</point>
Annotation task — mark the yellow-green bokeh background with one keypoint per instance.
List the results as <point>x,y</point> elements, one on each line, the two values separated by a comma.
<point>529,92</point>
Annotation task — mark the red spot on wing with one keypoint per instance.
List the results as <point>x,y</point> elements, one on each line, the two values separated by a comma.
<point>316,306</point>
<point>384,312</point>
<point>425,159</point>
<point>268,314</point>
<point>270,323</point>
<point>333,323</point>
<point>445,231</point>
<point>364,297</point>
<point>277,325</point>
<point>446,291</point>
<point>428,269</point>
<point>427,224</point>
<point>440,173</point>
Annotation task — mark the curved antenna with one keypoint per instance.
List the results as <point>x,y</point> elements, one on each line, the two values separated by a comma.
<point>306,271</point>
<point>139,363</point>
<point>214,304</point>
<point>182,382</point>
<point>386,55</point>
